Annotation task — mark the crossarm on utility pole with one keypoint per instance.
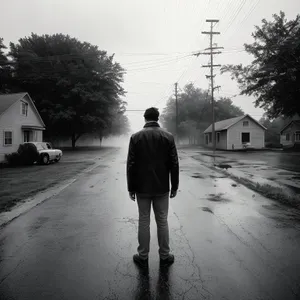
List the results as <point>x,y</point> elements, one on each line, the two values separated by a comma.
<point>210,66</point>
<point>210,32</point>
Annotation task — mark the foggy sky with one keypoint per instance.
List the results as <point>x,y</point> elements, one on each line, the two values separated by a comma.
<point>152,39</point>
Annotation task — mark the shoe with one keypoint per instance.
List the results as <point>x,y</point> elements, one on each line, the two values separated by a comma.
<point>143,263</point>
<point>167,261</point>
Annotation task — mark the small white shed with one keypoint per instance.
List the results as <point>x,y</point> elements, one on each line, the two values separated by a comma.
<point>235,133</point>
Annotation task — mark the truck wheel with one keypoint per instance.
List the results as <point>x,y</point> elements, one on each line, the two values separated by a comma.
<point>45,159</point>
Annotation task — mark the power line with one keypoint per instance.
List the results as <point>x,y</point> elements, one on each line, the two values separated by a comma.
<point>235,15</point>
<point>158,65</point>
<point>161,60</point>
<point>247,15</point>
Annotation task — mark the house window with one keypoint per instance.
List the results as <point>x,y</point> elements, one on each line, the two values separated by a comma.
<point>297,136</point>
<point>246,124</point>
<point>24,108</point>
<point>210,137</point>
<point>8,138</point>
<point>218,137</point>
<point>287,136</point>
<point>245,137</point>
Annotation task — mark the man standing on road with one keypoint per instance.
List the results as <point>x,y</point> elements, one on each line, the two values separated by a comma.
<point>152,158</point>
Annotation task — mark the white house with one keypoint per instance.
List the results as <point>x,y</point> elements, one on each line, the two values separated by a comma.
<point>290,134</point>
<point>235,133</point>
<point>20,122</point>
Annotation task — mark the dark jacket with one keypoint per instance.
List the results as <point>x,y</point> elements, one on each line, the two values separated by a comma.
<point>152,158</point>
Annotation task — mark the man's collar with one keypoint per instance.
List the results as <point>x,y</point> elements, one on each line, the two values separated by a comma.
<point>151,124</point>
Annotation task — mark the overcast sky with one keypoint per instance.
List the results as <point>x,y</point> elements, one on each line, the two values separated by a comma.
<point>152,39</point>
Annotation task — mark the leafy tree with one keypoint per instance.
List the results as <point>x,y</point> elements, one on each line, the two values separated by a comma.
<point>5,69</point>
<point>76,86</point>
<point>194,112</point>
<point>3,58</point>
<point>274,74</point>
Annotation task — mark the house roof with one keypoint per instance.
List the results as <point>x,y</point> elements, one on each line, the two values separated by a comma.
<point>289,124</point>
<point>225,124</point>
<point>7,100</point>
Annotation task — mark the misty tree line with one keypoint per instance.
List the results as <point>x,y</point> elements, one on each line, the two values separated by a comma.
<point>76,87</point>
<point>195,113</point>
<point>273,78</point>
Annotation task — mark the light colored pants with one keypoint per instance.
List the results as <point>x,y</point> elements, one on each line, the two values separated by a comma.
<point>160,205</point>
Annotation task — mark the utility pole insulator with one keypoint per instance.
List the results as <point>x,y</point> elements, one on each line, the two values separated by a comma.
<point>209,53</point>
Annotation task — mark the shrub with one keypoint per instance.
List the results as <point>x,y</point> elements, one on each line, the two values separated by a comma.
<point>13,159</point>
<point>28,154</point>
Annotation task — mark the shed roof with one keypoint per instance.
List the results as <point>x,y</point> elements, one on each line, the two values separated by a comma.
<point>289,124</point>
<point>225,124</point>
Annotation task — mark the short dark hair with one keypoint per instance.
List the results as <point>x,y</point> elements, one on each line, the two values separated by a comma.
<point>151,114</point>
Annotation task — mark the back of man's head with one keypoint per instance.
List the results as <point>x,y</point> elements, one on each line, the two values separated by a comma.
<point>151,114</point>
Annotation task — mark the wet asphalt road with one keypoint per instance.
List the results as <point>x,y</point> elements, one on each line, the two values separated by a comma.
<point>229,243</point>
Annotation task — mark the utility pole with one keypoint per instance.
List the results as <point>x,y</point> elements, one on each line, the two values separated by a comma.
<point>211,52</point>
<point>176,101</point>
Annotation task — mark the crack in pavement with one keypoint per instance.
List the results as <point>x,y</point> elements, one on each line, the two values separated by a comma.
<point>276,272</point>
<point>196,268</point>
<point>15,268</point>
<point>242,265</point>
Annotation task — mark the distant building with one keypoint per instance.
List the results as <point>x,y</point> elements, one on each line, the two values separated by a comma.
<point>237,133</point>
<point>20,122</point>
<point>290,134</point>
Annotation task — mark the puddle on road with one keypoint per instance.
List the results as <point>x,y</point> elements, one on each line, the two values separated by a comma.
<point>207,209</point>
<point>198,175</point>
<point>217,198</point>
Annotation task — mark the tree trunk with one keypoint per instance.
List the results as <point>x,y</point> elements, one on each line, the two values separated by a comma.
<point>73,141</point>
<point>100,138</point>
